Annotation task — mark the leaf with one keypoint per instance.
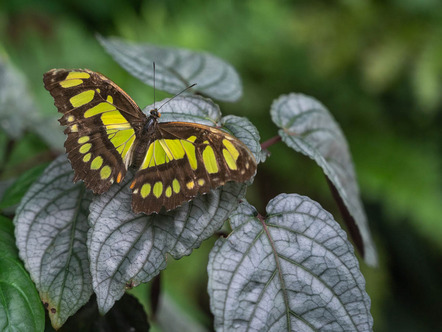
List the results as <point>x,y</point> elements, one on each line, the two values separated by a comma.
<point>127,248</point>
<point>194,109</point>
<point>49,129</point>
<point>51,225</point>
<point>20,306</point>
<point>308,127</point>
<point>172,317</point>
<point>176,68</point>
<point>7,242</point>
<point>15,101</point>
<point>19,111</point>
<point>14,193</point>
<point>293,271</point>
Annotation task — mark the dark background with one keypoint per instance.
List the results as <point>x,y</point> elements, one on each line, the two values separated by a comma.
<point>377,66</point>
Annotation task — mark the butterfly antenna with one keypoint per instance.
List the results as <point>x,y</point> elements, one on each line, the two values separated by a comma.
<point>184,90</point>
<point>154,100</point>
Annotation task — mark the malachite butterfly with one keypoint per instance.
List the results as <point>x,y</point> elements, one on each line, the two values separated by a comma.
<point>107,133</point>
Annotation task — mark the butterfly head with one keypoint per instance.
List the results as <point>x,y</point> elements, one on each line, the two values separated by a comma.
<point>155,114</point>
<point>153,119</point>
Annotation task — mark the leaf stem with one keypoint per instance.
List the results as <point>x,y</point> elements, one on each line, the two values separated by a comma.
<point>270,142</point>
<point>7,154</point>
<point>155,291</point>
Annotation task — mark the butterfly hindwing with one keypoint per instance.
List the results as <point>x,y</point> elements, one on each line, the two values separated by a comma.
<point>186,159</point>
<point>101,121</point>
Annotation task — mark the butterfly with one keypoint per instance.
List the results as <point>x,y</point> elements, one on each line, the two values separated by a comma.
<point>107,133</point>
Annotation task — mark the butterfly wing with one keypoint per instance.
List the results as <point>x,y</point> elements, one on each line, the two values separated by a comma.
<point>186,159</point>
<point>102,123</point>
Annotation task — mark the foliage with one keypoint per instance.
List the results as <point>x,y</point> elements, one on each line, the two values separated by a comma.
<point>376,65</point>
<point>74,244</point>
<point>20,306</point>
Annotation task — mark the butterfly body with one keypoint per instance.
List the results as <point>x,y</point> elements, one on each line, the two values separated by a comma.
<point>145,136</point>
<point>107,133</point>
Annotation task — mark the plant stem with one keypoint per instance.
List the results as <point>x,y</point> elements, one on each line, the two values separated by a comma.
<point>270,142</point>
<point>155,291</point>
<point>7,154</point>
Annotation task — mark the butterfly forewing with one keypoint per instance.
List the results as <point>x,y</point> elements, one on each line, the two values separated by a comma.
<point>186,159</point>
<point>102,123</point>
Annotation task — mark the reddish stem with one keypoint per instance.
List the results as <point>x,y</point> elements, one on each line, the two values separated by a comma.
<point>270,142</point>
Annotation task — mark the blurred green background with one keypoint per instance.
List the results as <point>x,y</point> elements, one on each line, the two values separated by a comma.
<point>376,65</point>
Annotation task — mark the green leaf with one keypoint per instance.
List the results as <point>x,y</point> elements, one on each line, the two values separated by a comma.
<point>293,271</point>
<point>129,249</point>
<point>20,306</point>
<point>51,225</point>
<point>7,242</point>
<point>17,190</point>
<point>176,68</point>
<point>308,127</point>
